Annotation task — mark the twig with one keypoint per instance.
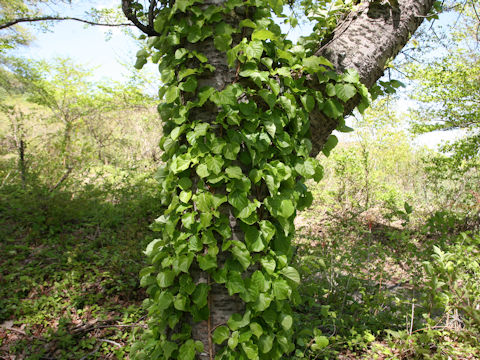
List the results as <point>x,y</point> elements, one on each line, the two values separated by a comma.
<point>62,179</point>
<point>427,328</point>
<point>111,342</point>
<point>56,18</point>
<point>121,326</point>
<point>413,314</point>
<point>5,178</point>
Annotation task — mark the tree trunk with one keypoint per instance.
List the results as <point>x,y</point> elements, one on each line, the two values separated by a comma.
<point>363,41</point>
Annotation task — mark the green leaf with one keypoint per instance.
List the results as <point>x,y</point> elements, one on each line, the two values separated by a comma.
<point>248,108</point>
<point>164,300</point>
<point>141,61</point>
<point>350,76</point>
<point>214,164</point>
<point>235,284</point>
<point>279,206</point>
<point>256,329</point>
<point>286,322</point>
<point>281,289</point>
<point>204,95</point>
<point>231,150</point>
<point>237,321</point>
<point>263,35</point>
<point>234,172</point>
<point>262,302</point>
<point>306,168</point>
<point>188,220</point>
<point>243,256</point>
<point>267,229</point>
<point>331,142</point>
<point>408,208</point>
<point>251,350</point>
<point>200,295</point>
<point>254,50</point>
<point>345,91</point>
<point>238,199</point>
<point>233,341</point>
<point>168,348</point>
<point>308,102</point>
<point>220,334</point>
<point>202,170</point>
<point>184,262</point>
<point>247,23</point>
<point>291,273</point>
<point>258,281</point>
<point>185,196</point>
<point>201,129</point>
<point>253,239</point>
<point>207,262</point>
<point>330,90</point>
<point>180,163</point>
<point>314,63</point>
<point>185,183</point>
<point>186,72</point>
<point>277,6</point>
<point>265,343</point>
<point>321,342</point>
<point>180,53</point>
<point>172,94</point>
<point>268,97</point>
<point>222,42</point>
<point>180,302</point>
<point>268,264</point>
<point>194,34</point>
<point>187,350</point>
<point>190,85</point>
<point>165,278</point>
<point>333,109</point>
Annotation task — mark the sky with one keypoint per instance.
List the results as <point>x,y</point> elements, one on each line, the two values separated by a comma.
<point>111,56</point>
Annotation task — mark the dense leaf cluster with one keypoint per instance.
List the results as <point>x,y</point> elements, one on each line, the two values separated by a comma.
<point>232,180</point>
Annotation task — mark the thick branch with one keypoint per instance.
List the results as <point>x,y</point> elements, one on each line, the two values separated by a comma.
<point>56,18</point>
<point>365,41</point>
<point>131,15</point>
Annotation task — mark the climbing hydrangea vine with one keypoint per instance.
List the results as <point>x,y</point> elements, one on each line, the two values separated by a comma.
<point>235,164</point>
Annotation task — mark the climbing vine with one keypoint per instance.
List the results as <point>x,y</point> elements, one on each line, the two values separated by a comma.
<point>235,164</point>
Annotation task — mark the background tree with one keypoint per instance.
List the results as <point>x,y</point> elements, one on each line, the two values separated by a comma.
<point>71,122</point>
<point>448,83</point>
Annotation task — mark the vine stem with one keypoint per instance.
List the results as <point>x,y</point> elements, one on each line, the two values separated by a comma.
<point>209,323</point>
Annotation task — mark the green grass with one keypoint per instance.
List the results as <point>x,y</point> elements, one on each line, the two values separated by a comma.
<point>69,269</point>
<point>69,286</point>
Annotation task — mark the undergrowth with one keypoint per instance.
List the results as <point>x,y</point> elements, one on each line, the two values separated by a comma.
<point>372,287</point>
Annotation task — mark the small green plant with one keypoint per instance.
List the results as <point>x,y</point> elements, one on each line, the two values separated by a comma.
<point>453,275</point>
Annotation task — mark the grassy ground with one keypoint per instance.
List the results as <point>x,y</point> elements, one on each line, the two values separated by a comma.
<point>69,269</point>
<point>69,285</point>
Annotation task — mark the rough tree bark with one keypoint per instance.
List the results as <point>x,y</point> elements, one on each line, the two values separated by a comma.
<point>364,41</point>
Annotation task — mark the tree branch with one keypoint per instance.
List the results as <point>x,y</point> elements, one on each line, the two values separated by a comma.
<point>56,18</point>
<point>132,16</point>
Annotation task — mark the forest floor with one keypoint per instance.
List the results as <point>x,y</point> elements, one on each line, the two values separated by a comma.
<point>69,285</point>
